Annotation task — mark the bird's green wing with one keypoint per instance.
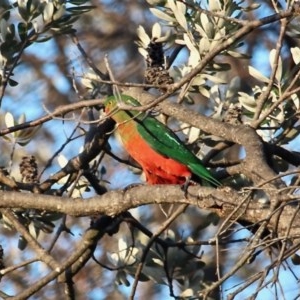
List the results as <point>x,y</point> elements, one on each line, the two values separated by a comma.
<point>165,141</point>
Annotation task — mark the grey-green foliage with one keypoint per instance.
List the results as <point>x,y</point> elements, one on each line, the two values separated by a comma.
<point>183,266</point>
<point>34,220</point>
<point>281,105</point>
<point>200,32</point>
<point>25,22</point>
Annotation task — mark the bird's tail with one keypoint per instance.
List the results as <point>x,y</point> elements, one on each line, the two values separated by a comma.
<point>204,175</point>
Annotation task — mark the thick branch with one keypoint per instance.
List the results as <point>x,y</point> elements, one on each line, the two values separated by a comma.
<point>222,201</point>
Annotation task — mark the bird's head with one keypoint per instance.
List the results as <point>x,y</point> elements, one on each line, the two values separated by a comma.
<point>112,102</point>
<point>112,105</point>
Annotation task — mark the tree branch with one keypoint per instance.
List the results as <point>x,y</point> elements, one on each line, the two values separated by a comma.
<point>222,201</point>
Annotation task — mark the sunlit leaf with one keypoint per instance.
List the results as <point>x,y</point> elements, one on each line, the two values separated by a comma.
<point>187,293</point>
<point>48,12</point>
<point>215,93</point>
<point>204,45</point>
<point>179,9</point>
<point>200,30</point>
<point>3,29</point>
<point>158,262</point>
<point>198,80</point>
<point>256,74</point>
<point>22,119</point>
<point>193,134</point>
<point>143,36</point>
<point>234,87</point>
<point>204,91</point>
<point>296,54</point>
<point>194,56</point>
<point>34,231</point>
<point>209,30</point>
<point>236,54</point>
<point>156,30</point>
<point>143,52</point>
<point>221,66</point>
<point>9,120</point>
<point>23,137</point>
<point>62,160</point>
<point>247,101</point>
<point>295,99</point>
<point>161,15</point>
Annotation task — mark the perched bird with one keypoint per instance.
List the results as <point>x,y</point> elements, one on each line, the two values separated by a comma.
<point>162,156</point>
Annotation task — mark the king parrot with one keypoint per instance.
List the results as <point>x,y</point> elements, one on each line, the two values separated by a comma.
<point>162,156</point>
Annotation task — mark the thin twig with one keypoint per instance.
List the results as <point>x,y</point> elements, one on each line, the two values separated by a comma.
<point>41,253</point>
<point>162,228</point>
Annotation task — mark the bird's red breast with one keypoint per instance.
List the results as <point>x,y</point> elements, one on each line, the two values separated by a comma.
<point>158,168</point>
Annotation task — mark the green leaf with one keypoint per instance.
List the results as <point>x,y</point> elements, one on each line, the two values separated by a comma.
<point>279,164</point>
<point>3,29</point>
<point>81,9</point>
<point>103,170</point>
<point>247,101</point>
<point>23,11</point>
<point>22,30</point>
<point>59,13</point>
<point>22,243</point>
<point>67,30</point>
<point>295,259</point>
<point>43,39</point>
<point>251,7</point>
<point>12,82</point>
<point>7,49</point>
<point>66,20</point>
<point>78,2</point>
<point>23,137</point>
<point>6,15</point>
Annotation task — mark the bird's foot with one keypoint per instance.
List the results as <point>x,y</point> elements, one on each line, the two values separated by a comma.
<point>185,186</point>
